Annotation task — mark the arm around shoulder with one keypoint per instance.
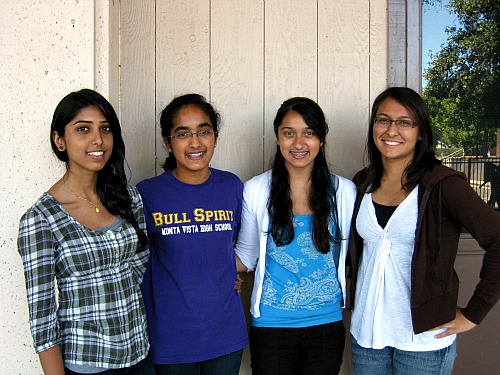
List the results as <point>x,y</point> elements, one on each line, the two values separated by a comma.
<point>254,217</point>
<point>240,267</point>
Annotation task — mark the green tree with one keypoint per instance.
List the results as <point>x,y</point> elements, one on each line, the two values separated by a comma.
<point>464,77</point>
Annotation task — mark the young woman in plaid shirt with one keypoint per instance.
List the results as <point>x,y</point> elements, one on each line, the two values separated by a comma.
<point>87,232</point>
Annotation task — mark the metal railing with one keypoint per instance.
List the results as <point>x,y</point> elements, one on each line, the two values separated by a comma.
<point>483,174</point>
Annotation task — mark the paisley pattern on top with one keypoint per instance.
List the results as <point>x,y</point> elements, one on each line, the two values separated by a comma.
<point>297,275</point>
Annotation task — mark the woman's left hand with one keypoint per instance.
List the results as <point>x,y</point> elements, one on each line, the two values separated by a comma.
<point>458,325</point>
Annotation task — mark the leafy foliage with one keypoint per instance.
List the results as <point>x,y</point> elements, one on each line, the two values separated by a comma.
<point>464,77</point>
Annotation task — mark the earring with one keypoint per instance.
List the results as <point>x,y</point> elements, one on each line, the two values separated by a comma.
<point>61,148</point>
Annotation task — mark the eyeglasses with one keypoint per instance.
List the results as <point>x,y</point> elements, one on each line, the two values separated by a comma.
<point>400,124</point>
<point>202,134</point>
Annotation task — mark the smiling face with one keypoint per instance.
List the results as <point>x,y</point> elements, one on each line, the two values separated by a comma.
<point>393,143</point>
<point>193,155</point>
<point>298,143</point>
<point>88,141</point>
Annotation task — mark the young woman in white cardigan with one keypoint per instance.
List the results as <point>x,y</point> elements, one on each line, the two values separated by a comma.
<point>294,229</point>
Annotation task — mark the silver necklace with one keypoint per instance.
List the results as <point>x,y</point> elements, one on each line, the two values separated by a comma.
<point>83,198</point>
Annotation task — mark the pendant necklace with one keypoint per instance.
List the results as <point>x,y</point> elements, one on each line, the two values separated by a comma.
<point>83,198</point>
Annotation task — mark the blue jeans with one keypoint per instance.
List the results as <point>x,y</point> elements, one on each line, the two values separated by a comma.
<point>391,361</point>
<point>228,364</point>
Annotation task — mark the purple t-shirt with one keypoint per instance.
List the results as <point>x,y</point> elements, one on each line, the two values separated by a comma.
<point>194,313</point>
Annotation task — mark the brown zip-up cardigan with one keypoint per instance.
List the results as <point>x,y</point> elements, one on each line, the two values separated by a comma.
<point>446,203</point>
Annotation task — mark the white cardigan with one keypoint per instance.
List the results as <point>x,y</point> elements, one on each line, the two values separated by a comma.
<point>252,238</point>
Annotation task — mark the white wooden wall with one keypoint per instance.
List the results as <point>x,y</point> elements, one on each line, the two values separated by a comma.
<point>247,57</point>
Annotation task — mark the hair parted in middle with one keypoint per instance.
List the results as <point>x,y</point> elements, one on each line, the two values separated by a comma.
<point>322,196</point>
<point>424,150</point>
<point>172,109</point>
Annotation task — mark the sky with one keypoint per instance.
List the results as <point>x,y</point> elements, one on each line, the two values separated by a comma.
<point>434,21</point>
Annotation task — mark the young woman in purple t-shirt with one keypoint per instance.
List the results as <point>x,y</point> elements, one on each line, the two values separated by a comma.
<point>195,315</point>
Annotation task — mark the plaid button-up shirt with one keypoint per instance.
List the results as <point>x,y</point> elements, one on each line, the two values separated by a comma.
<point>100,320</point>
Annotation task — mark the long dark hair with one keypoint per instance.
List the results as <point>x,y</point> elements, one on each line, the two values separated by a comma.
<point>111,184</point>
<point>322,197</point>
<point>172,109</point>
<point>424,149</point>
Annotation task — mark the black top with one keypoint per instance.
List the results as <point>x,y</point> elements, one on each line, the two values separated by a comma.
<point>383,213</point>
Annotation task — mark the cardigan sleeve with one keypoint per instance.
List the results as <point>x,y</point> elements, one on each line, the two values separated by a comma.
<point>483,223</point>
<point>35,245</point>
<point>247,246</point>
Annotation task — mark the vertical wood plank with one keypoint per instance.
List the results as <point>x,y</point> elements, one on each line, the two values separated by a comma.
<point>397,42</point>
<point>237,83</point>
<point>379,61</point>
<point>344,92</point>
<point>414,45</point>
<point>237,89</point>
<point>343,79</point>
<point>137,85</point>
<point>182,55</point>
<point>290,59</point>
<point>379,45</point>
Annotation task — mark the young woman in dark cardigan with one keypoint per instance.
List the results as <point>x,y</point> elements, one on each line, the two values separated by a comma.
<point>407,220</point>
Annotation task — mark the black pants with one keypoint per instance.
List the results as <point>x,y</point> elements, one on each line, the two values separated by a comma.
<point>297,351</point>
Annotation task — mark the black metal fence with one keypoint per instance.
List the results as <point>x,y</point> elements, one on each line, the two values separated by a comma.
<point>483,175</point>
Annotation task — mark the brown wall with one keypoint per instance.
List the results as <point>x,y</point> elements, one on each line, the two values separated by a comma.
<point>479,349</point>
